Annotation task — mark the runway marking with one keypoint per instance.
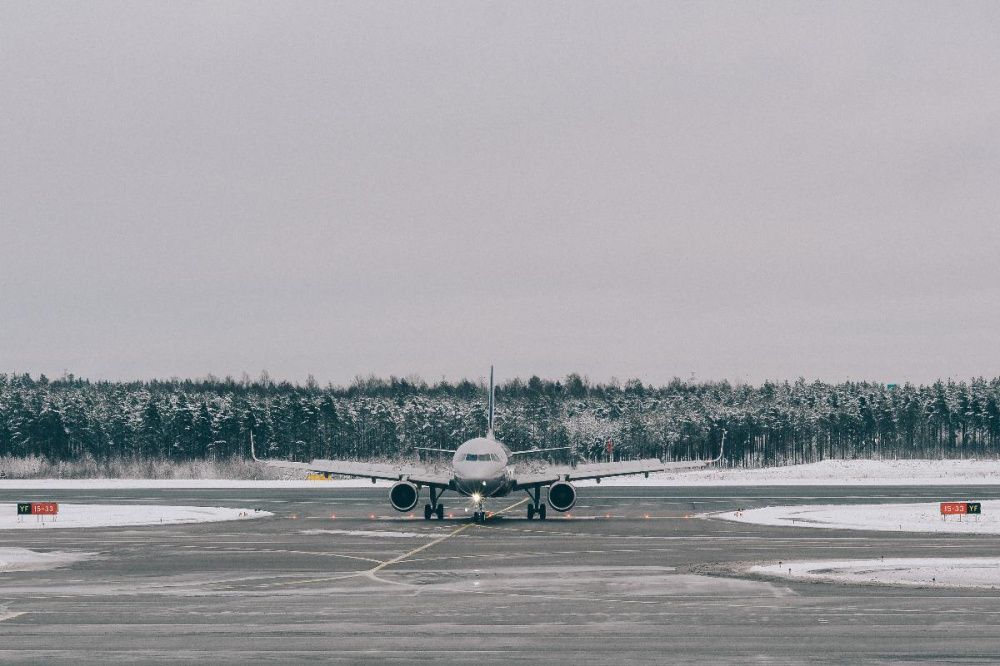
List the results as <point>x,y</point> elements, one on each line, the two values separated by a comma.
<point>372,573</point>
<point>216,549</point>
<point>10,616</point>
<point>455,532</point>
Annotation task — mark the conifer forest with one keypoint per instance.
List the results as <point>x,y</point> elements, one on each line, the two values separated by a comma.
<point>71,419</point>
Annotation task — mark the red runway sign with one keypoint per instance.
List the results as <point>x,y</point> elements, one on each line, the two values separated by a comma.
<point>37,508</point>
<point>958,508</point>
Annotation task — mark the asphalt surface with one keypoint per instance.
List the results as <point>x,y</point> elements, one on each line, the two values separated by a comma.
<point>632,576</point>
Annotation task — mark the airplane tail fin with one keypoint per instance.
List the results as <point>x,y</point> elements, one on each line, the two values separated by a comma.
<point>489,427</point>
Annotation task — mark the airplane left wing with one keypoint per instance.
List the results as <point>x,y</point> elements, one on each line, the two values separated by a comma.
<point>602,470</point>
<point>590,471</point>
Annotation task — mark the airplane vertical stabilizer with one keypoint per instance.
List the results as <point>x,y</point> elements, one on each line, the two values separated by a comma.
<point>489,427</point>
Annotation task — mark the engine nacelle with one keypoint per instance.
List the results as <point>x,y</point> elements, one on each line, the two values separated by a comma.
<point>562,496</point>
<point>403,496</point>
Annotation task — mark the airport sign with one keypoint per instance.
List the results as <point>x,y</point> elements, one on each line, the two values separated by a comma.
<point>960,508</point>
<point>37,508</point>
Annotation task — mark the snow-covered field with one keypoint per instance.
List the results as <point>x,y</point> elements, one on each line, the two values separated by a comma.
<point>826,473</point>
<point>121,515</point>
<point>970,572</point>
<point>922,517</point>
<point>838,473</point>
<point>22,559</point>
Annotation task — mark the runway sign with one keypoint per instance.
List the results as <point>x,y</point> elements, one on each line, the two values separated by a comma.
<point>37,508</point>
<point>959,508</point>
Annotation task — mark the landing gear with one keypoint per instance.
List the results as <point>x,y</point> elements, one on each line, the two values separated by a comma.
<point>479,517</point>
<point>536,508</point>
<point>536,511</point>
<point>435,508</point>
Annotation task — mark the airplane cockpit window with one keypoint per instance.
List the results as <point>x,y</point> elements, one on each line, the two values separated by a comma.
<point>475,457</point>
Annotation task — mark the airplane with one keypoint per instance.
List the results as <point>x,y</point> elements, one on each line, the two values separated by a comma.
<point>482,468</point>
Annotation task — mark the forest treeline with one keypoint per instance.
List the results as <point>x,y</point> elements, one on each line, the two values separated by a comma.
<point>772,423</point>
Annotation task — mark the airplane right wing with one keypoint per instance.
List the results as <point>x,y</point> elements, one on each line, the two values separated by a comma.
<point>367,471</point>
<point>363,470</point>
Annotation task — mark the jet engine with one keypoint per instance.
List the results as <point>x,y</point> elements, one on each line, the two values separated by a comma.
<point>403,496</point>
<point>562,496</point>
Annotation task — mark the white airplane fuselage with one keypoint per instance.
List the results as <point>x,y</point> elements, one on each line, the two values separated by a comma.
<point>482,467</point>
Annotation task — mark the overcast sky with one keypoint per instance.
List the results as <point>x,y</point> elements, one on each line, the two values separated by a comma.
<point>738,190</point>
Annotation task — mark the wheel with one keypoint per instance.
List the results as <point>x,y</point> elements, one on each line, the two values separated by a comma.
<point>531,512</point>
<point>440,511</point>
<point>541,512</point>
<point>427,511</point>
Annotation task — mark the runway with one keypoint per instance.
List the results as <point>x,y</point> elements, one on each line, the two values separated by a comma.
<point>634,575</point>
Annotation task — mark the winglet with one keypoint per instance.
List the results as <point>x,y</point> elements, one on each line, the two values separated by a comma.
<point>722,448</point>
<point>489,428</point>
<point>253,452</point>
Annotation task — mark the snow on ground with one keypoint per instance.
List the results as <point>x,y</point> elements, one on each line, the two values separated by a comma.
<point>22,559</point>
<point>177,484</point>
<point>835,473</point>
<point>970,572</point>
<point>825,473</point>
<point>121,515</point>
<point>922,517</point>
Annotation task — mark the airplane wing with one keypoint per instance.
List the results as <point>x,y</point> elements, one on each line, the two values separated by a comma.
<point>601,470</point>
<point>371,471</point>
<point>590,471</point>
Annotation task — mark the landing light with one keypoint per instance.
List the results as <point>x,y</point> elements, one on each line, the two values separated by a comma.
<point>477,497</point>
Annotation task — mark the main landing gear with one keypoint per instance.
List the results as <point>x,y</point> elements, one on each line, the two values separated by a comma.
<point>536,508</point>
<point>435,508</point>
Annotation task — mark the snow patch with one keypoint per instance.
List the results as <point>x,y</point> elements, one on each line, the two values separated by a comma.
<point>833,473</point>
<point>922,517</point>
<point>121,515</point>
<point>22,559</point>
<point>965,572</point>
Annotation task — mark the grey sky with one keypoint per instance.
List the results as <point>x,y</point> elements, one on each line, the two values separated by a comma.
<point>746,191</point>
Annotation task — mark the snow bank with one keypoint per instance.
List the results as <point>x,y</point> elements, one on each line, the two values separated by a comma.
<point>834,473</point>
<point>826,473</point>
<point>922,517</point>
<point>121,515</point>
<point>967,572</point>
<point>177,484</point>
<point>22,559</point>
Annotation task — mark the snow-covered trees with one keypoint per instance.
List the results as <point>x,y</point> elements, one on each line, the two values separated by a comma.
<point>71,419</point>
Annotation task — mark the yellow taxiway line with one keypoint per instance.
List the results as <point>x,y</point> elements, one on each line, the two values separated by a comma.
<point>455,532</point>
<point>371,573</point>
